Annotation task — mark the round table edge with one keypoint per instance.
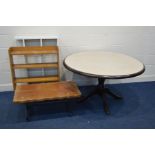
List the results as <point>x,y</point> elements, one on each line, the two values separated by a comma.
<point>105,76</point>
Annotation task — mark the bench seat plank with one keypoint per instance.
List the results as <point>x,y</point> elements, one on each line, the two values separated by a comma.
<point>46,91</point>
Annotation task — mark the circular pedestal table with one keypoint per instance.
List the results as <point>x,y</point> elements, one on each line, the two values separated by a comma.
<point>104,65</point>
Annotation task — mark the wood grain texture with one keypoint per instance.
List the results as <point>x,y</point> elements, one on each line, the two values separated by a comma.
<point>35,65</point>
<point>34,50</point>
<point>37,79</point>
<point>12,71</point>
<point>46,91</point>
<point>37,89</point>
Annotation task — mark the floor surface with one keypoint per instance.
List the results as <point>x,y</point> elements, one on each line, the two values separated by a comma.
<point>135,111</point>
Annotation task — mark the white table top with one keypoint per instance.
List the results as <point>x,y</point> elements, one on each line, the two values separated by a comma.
<point>104,64</point>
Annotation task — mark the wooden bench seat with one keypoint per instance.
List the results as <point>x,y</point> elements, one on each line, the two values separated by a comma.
<point>42,87</point>
<point>45,92</point>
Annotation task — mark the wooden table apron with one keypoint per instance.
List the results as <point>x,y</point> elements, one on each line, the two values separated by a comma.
<point>100,89</point>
